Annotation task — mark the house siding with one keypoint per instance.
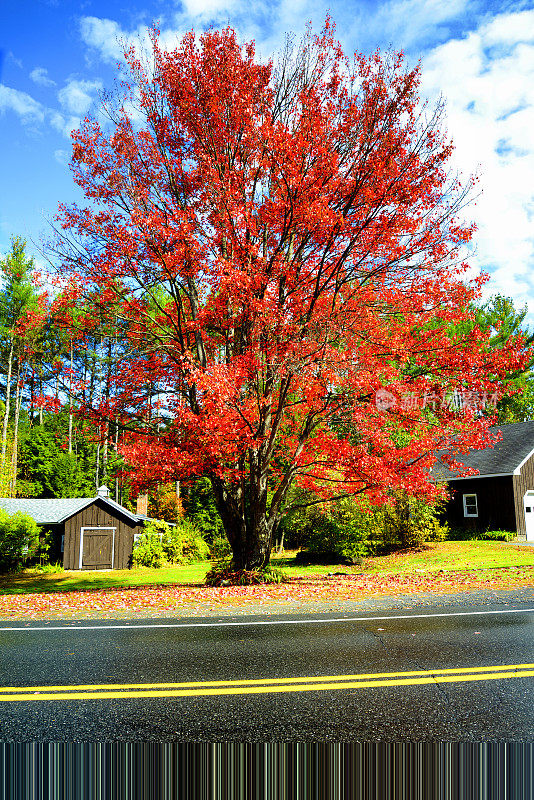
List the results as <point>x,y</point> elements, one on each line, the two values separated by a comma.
<point>97,515</point>
<point>522,483</point>
<point>497,508</point>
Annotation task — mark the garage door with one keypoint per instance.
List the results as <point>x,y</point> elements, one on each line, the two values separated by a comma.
<point>96,548</point>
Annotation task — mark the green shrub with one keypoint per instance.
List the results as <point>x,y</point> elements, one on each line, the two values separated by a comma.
<point>408,523</point>
<point>19,540</point>
<point>498,536</point>
<point>162,544</point>
<point>183,543</point>
<point>473,535</point>
<point>46,543</point>
<point>194,547</point>
<point>148,551</point>
<point>47,569</point>
<point>225,574</point>
<point>220,548</point>
<point>343,529</point>
<point>353,529</point>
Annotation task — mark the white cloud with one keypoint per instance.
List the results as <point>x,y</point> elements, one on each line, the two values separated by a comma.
<point>77,96</point>
<point>208,9</point>
<point>109,40</point>
<point>103,35</point>
<point>39,75</point>
<point>62,157</point>
<point>33,113</point>
<point>487,80</point>
<point>64,124</point>
<point>22,104</point>
<point>510,29</point>
<point>405,22</point>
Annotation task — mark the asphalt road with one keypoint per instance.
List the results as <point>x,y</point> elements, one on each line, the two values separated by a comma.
<point>430,674</point>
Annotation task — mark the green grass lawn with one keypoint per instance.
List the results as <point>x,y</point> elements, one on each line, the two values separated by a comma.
<point>446,556</point>
<point>74,580</point>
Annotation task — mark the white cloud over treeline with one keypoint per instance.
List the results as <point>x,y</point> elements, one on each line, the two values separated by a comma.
<point>487,80</point>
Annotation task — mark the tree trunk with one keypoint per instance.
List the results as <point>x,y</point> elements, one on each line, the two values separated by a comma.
<point>15,448</point>
<point>97,465</point>
<point>246,523</point>
<point>105,454</point>
<point>40,405</point>
<point>7,409</point>
<point>70,397</point>
<point>116,449</point>
<point>32,397</point>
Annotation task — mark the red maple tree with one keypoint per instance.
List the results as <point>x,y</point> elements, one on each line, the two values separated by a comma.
<point>280,242</point>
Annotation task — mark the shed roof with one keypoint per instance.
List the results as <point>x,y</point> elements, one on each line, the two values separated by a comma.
<point>52,512</point>
<point>505,458</point>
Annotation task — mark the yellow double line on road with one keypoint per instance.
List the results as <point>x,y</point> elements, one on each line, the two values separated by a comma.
<point>112,691</point>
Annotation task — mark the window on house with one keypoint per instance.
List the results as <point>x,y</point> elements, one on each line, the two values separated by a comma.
<point>470,505</point>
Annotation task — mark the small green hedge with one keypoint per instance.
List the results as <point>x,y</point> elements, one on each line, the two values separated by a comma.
<point>462,535</point>
<point>161,544</point>
<point>19,540</point>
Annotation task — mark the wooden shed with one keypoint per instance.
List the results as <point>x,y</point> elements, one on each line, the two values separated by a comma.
<point>501,495</point>
<point>89,532</point>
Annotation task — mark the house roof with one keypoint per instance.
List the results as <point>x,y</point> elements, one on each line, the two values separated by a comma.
<point>51,512</point>
<point>505,458</point>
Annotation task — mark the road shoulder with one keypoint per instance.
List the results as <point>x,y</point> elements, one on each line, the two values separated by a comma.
<point>396,603</point>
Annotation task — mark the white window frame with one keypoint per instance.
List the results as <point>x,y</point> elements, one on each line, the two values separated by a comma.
<point>97,528</point>
<point>466,513</point>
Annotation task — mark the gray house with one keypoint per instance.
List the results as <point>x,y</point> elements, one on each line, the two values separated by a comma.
<point>501,495</point>
<point>89,532</point>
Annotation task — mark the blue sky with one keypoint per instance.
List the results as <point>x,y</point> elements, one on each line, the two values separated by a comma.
<point>57,56</point>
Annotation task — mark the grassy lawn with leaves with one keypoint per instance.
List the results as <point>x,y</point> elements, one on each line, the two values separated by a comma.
<point>30,581</point>
<point>179,591</point>
<point>435,557</point>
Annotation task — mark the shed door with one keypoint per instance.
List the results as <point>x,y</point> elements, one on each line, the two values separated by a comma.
<point>96,548</point>
<point>528,505</point>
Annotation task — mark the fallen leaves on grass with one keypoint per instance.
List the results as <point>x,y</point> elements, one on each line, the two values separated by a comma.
<point>193,600</point>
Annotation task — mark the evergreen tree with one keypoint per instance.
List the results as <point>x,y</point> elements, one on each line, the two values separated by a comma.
<point>18,299</point>
<point>506,323</point>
